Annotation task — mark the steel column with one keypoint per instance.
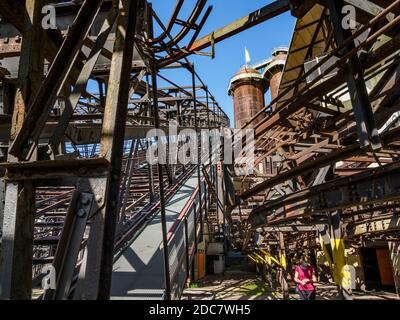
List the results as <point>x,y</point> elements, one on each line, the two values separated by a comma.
<point>81,82</point>
<point>97,282</point>
<point>153,66</point>
<point>366,128</point>
<point>70,244</point>
<point>17,242</point>
<point>26,139</point>
<point>198,147</point>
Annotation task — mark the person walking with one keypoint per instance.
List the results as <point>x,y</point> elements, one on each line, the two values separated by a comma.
<point>305,278</point>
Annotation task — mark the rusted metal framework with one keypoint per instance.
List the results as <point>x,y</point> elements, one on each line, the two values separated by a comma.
<point>331,145</point>
<point>77,184</point>
<point>78,101</point>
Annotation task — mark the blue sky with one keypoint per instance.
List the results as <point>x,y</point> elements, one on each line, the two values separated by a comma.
<point>259,40</point>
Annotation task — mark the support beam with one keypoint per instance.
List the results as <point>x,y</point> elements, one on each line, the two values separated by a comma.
<point>14,13</point>
<point>70,244</point>
<point>17,242</point>
<point>366,128</point>
<point>319,162</point>
<point>97,282</point>
<point>81,82</point>
<point>199,160</point>
<point>26,140</point>
<point>369,187</point>
<point>339,268</point>
<point>370,8</point>
<point>156,114</point>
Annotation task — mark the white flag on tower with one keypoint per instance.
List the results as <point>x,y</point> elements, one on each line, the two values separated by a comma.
<point>247,55</point>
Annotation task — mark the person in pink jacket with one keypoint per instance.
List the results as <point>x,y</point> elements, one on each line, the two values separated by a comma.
<point>305,278</point>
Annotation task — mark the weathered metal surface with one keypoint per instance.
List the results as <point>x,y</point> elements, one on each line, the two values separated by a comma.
<point>17,244</point>
<point>369,187</point>
<point>70,243</point>
<point>25,142</point>
<point>101,242</point>
<point>86,71</point>
<point>303,148</point>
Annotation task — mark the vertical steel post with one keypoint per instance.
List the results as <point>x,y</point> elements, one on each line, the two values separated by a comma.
<point>282,252</point>
<point>26,140</point>
<point>187,249</point>
<point>17,243</point>
<point>365,121</point>
<point>394,248</point>
<point>161,185</point>
<point>150,175</point>
<point>210,150</point>
<point>113,132</point>
<point>196,128</point>
<point>100,249</point>
<point>153,71</point>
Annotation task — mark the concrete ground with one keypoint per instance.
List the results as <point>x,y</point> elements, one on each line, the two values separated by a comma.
<point>248,287</point>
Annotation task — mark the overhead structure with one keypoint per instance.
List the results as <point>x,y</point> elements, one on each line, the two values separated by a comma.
<point>330,147</point>
<point>78,188</point>
<point>77,183</point>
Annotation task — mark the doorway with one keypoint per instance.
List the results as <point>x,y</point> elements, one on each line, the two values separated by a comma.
<point>378,270</point>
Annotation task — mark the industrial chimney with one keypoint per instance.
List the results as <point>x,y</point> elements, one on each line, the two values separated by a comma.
<point>247,88</point>
<point>274,70</point>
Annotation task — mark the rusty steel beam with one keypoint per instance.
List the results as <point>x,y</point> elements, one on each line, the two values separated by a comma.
<point>170,24</point>
<point>84,75</point>
<point>26,140</point>
<point>191,23</point>
<point>99,175</point>
<point>14,13</point>
<point>262,126</point>
<point>156,114</point>
<point>17,245</point>
<point>369,187</point>
<point>319,162</point>
<point>365,121</point>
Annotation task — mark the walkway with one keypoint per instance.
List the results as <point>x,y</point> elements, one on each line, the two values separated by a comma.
<point>248,287</point>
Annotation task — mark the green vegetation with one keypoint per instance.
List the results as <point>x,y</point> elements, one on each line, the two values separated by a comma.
<point>254,289</point>
<point>247,289</point>
<point>193,285</point>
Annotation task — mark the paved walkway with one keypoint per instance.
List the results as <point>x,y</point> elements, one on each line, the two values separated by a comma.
<point>138,273</point>
<point>248,287</point>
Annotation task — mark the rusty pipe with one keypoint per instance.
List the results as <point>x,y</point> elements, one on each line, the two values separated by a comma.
<point>170,24</point>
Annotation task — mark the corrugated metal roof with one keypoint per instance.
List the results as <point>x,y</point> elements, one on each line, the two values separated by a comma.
<point>303,38</point>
